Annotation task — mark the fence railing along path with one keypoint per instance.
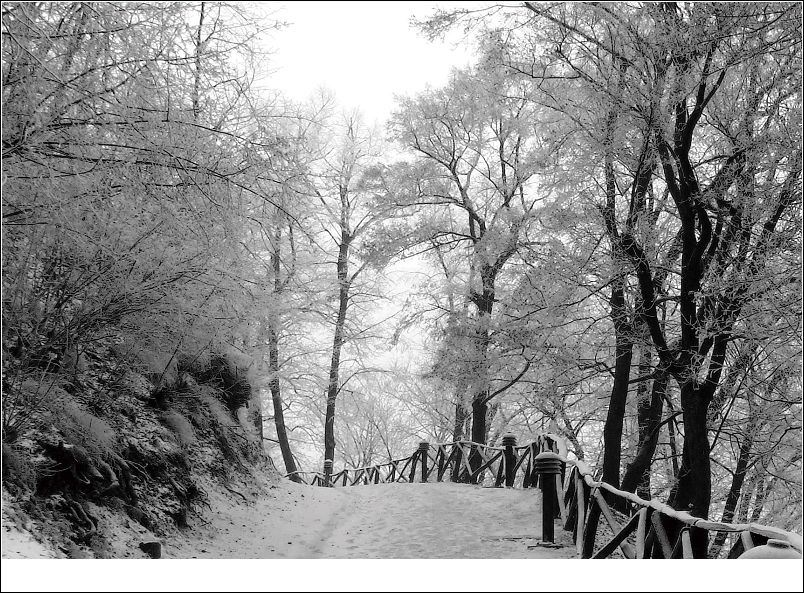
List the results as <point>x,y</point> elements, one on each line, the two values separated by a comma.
<point>631,526</point>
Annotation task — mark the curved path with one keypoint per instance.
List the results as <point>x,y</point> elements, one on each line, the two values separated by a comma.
<point>441,520</point>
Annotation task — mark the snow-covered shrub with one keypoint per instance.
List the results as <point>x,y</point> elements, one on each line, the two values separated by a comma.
<point>159,367</point>
<point>79,427</point>
<point>24,400</point>
<point>18,470</point>
<point>180,426</point>
<point>224,372</point>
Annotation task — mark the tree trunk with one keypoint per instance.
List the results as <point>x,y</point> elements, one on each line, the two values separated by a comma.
<point>759,500</point>
<point>693,490</point>
<point>458,432</point>
<point>613,428</point>
<point>196,98</point>
<point>457,435</point>
<point>637,473</point>
<point>671,439</point>
<point>747,498</point>
<point>273,362</point>
<point>337,344</point>
<point>644,406</point>
<point>735,490</point>
<point>623,338</point>
<point>479,411</point>
<point>460,420</point>
<point>490,416</point>
<point>276,398</point>
<point>484,301</point>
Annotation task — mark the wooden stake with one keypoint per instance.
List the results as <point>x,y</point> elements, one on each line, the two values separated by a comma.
<point>628,551</point>
<point>686,544</point>
<point>640,534</point>
<point>590,528</point>
<point>617,540</point>
<point>413,459</point>
<point>580,497</point>
<point>661,535</point>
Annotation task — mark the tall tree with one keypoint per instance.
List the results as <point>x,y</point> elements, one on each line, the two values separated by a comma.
<point>350,214</point>
<point>476,155</point>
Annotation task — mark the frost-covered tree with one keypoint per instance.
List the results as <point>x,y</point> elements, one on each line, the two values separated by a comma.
<point>472,185</point>
<point>683,118</point>
<point>127,177</point>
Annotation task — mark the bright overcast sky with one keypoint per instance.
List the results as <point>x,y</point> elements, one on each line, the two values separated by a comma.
<point>365,52</point>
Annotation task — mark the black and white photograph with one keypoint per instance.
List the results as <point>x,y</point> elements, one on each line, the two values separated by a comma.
<point>453,296</point>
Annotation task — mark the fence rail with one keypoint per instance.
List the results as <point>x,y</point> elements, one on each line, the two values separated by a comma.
<point>637,528</point>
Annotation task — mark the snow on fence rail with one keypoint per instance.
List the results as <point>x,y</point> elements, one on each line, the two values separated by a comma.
<point>638,528</point>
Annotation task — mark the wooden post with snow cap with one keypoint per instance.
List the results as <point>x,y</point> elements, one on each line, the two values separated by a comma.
<point>424,447</point>
<point>509,442</point>
<point>327,473</point>
<point>547,466</point>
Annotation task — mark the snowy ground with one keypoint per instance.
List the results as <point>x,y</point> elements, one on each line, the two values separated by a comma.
<point>441,520</point>
<point>18,543</point>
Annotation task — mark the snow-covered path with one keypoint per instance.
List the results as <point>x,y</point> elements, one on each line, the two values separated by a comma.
<point>441,520</point>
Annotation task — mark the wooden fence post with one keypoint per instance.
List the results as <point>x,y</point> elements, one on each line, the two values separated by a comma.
<point>440,461</point>
<point>327,473</point>
<point>424,447</point>
<point>591,524</point>
<point>509,442</point>
<point>580,501</point>
<point>533,480</point>
<point>457,451</point>
<point>475,461</point>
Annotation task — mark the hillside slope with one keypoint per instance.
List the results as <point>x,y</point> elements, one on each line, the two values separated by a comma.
<point>126,453</point>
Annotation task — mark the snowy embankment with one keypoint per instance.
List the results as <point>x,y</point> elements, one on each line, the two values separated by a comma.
<point>441,520</point>
<point>19,543</point>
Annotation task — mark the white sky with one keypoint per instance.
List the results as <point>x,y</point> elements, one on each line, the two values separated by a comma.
<point>363,51</point>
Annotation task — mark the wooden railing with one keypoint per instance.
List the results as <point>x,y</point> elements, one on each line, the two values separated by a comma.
<point>507,465</point>
<point>648,528</point>
<point>632,527</point>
